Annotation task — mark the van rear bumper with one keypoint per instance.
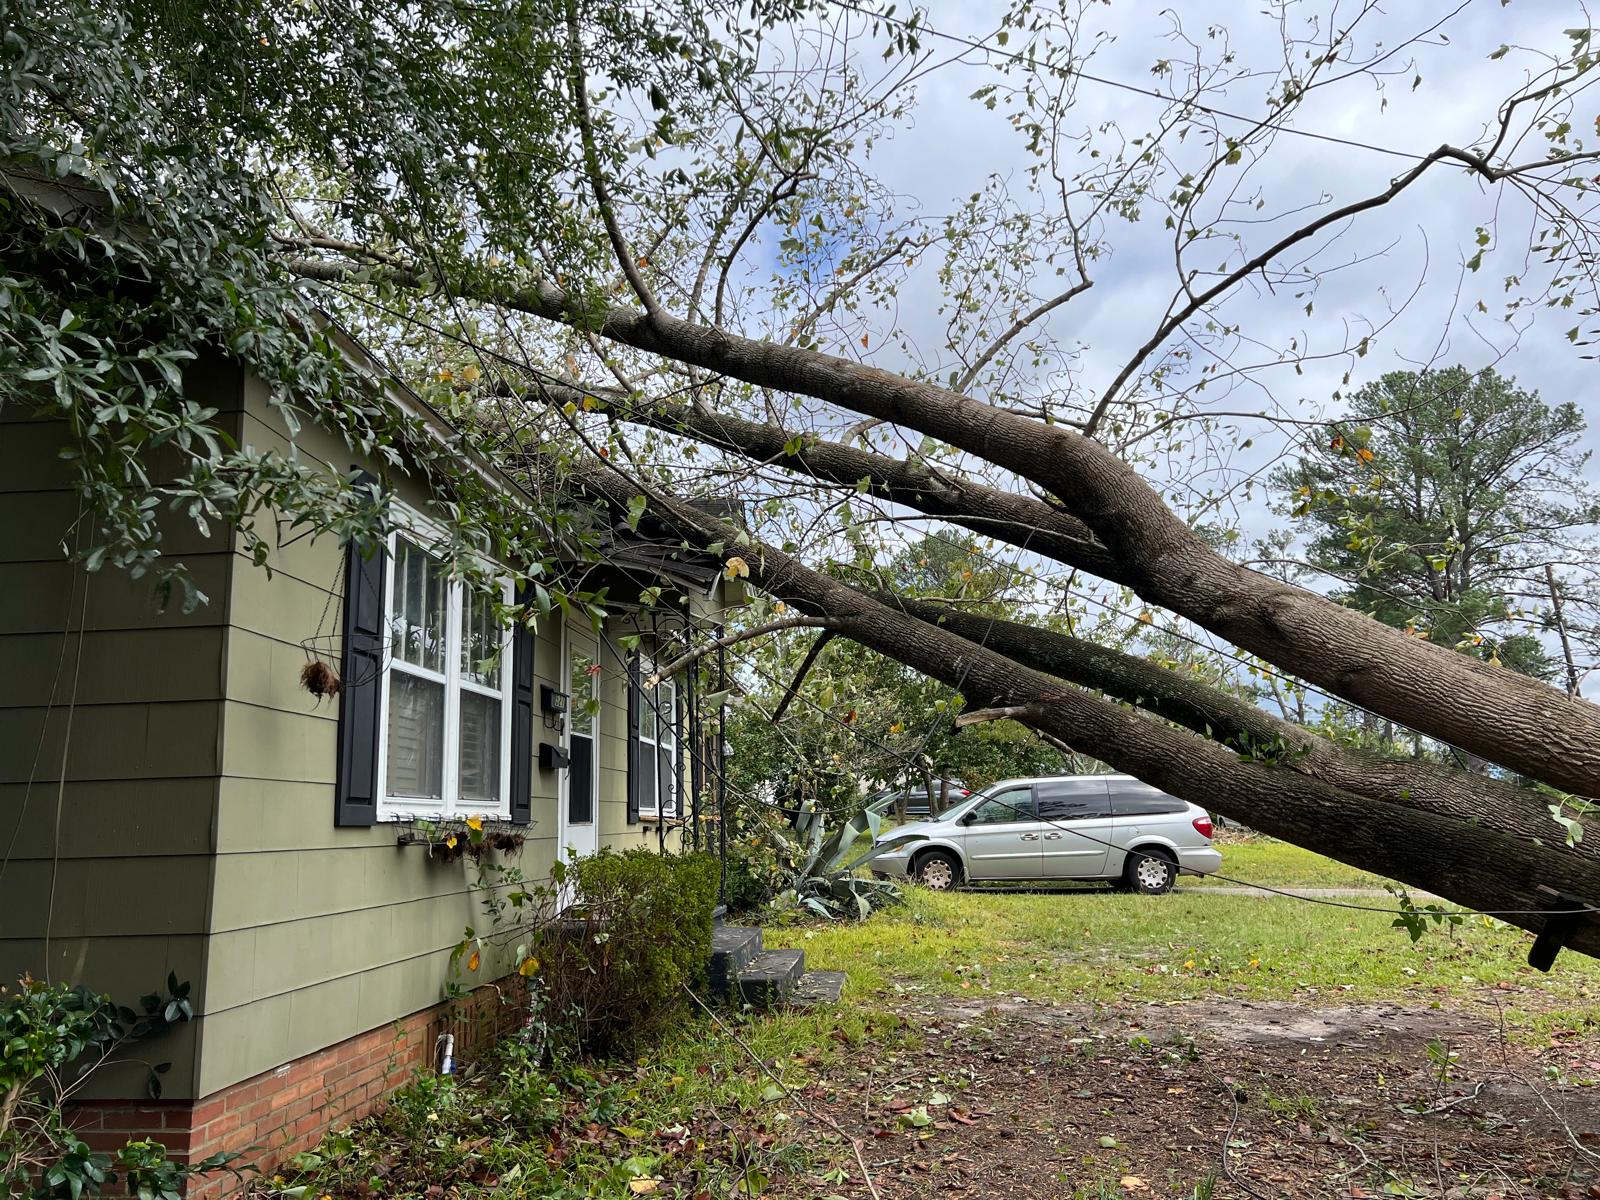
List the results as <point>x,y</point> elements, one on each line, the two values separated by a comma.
<point>1206,861</point>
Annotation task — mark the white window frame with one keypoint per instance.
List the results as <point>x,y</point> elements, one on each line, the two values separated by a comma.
<point>427,536</point>
<point>650,700</point>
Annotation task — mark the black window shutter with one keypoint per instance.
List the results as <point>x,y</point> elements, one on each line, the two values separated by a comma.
<point>361,687</point>
<point>635,747</point>
<point>521,721</point>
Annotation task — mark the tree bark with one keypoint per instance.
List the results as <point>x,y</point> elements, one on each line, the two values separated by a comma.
<point>1245,729</point>
<point>1006,516</point>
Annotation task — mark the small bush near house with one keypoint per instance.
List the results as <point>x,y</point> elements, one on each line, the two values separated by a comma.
<point>51,1038</point>
<point>613,966</point>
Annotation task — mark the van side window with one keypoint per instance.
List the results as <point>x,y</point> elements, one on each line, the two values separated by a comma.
<point>1013,804</point>
<point>1073,800</point>
<point>1130,799</point>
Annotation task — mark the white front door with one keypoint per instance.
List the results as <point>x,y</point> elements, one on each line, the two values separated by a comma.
<point>579,801</point>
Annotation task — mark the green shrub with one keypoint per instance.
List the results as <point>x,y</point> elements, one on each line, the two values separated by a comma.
<point>613,966</point>
<point>758,865</point>
<point>51,1038</point>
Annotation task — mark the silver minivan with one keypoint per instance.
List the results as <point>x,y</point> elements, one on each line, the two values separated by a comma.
<point>1109,827</point>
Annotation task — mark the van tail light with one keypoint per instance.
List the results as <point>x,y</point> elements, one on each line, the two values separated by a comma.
<point>1203,826</point>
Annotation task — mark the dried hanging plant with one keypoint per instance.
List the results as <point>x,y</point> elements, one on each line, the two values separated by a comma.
<point>318,678</point>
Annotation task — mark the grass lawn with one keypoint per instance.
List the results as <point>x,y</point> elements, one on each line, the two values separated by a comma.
<point>1278,864</point>
<point>1005,1042</point>
<point>1102,946</point>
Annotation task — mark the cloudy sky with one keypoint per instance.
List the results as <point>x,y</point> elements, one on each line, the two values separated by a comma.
<point>1400,267</point>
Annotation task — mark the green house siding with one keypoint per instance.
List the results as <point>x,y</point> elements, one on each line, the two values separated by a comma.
<point>317,933</point>
<point>108,880</point>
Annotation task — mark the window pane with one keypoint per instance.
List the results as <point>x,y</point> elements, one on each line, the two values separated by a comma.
<point>1073,800</point>
<point>481,640</point>
<point>646,760</point>
<point>416,624</point>
<point>1141,800</point>
<point>667,702</point>
<point>480,750</point>
<point>580,782</point>
<point>583,682</point>
<point>416,737</point>
<point>647,700</point>
<point>1013,804</point>
<point>669,781</point>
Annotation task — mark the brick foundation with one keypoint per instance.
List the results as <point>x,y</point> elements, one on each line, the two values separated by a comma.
<point>271,1117</point>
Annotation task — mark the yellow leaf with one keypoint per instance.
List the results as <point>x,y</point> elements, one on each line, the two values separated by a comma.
<point>643,1187</point>
<point>471,373</point>
<point>475,824</point>
<point>1147,617</point>
<point>528,967</point>
<point>590,404</point>
<point>472,963</point>
<point>451,841</point>
<point>1132,1183</point>
<point>737,568</point>
<point>1189,966</point>
<point>445,376</point>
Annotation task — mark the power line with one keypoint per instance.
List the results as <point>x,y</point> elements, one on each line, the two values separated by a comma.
<point>1120,85</point>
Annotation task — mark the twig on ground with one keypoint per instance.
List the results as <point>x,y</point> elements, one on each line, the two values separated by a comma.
<point>1445,1105</point>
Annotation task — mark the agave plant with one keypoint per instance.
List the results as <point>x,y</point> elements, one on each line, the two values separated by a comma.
<point>826,881</point>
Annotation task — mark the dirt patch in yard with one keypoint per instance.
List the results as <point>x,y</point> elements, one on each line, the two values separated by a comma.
<point>1224,1097</point>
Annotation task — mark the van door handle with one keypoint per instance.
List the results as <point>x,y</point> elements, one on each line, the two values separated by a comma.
<point>1052,837</point>
<point>1030,837</point>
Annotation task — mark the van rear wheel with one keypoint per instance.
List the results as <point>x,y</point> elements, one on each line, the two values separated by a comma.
<point>1150,873</point>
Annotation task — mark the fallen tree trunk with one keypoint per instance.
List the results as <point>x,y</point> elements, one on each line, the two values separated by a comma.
<point>1254,732</point>
<point>1483,868</point>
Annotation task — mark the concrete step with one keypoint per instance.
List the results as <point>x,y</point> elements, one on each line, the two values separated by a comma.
<point>817,989</point>
<point>768,981</point>
<point>733,948</point>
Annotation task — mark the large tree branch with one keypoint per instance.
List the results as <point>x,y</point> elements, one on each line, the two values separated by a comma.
<point>1247,729</point>
<point>1007,516</point>
<point>1474,865</point>
<point>1491,712</point>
